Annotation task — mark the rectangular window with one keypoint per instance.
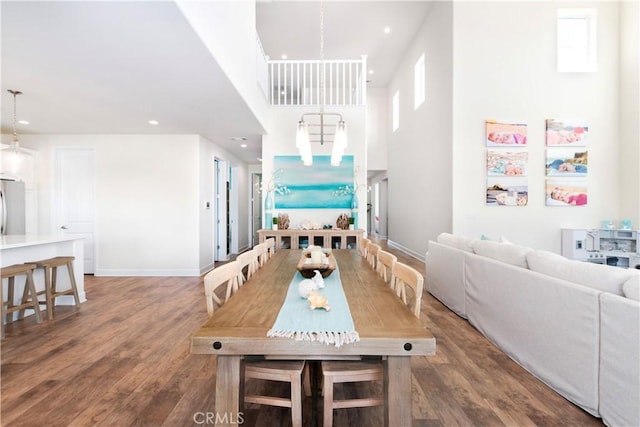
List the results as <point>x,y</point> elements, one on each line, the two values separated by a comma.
<point>418,83</point>
<point>395,108</point>
<point>577,40</point>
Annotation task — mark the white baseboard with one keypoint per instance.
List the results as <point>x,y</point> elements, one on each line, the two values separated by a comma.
<point>407,251</point>
<point>148,273</point>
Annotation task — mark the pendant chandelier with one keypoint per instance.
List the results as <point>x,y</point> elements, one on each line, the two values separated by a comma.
<point>13,153</point>
<point>324,134</point>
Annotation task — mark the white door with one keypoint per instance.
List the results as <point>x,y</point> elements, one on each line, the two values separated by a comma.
<point>222,211</point>
<point>74,197</point>
<point>256,207</point>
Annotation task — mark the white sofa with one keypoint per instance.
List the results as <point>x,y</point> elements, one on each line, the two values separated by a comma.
<point>574,325</point>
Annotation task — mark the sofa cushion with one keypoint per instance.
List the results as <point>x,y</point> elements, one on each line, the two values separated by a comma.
<point>507,253</point>
<point>459,242</point>
<point>601,277</point>
<point>631,288</point>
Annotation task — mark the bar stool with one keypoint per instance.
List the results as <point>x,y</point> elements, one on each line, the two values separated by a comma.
<point>8,307</point>
<point>50,275</point>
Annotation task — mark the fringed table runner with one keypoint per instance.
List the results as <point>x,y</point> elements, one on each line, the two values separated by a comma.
<point>297,321</point>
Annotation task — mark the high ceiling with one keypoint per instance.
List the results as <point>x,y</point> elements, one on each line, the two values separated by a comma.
<point>109,67</point>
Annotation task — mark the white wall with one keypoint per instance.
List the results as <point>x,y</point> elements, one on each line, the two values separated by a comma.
<point>505,67</point>
<point>228,29</point>
<point>281,141</point>
<point>630,111</point>
<point>377,128</point>
<point>151,191</point>
<point>419,152</point>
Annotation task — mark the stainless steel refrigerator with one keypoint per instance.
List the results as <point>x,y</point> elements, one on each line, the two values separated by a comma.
<point>12,207</point>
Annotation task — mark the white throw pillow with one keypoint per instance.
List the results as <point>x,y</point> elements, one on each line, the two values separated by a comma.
<point>510,254</point>
<point>601,277</point>
<point>631,288</point>
<point>459,242</point>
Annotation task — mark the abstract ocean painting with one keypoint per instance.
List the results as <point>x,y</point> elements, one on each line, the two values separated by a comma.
<point>320,186</point>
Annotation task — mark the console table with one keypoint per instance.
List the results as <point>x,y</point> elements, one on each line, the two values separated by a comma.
<point>300,239</point>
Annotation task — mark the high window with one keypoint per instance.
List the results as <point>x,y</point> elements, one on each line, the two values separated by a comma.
<point>577,40</point>
<point>418,83</point>
<point>395,108</point>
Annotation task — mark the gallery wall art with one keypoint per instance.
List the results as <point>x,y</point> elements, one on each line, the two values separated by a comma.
<point>319,186</point>
<point>507,163</point>
<point>566,162</point>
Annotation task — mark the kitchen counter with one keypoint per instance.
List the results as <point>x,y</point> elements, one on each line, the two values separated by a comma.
<point>22,240</point>
<point>18,249</point>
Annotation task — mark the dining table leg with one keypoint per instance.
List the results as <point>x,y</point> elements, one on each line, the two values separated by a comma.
<point>229,390</point>
<point>397,392</point>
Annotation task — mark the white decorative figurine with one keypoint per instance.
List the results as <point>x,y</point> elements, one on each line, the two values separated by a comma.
<point>318,279</point>
<point>306,286</point>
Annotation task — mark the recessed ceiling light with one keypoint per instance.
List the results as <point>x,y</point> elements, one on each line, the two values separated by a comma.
<point>23,122</point>
<point>153,122</point>
<point>243,145</point>
<point>370,71</point>
<point>284,56</point>
<point>387,30</point>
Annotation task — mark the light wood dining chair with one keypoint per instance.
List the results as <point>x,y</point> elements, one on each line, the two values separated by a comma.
<point>334,372</point>
<point>271,247</point>
<point>248,260</point>
<point>289,371</point>
<point>262,250</point>
<point>372,254</point>
<point>364,245</point>
<point>386,261</point>
<point>224,275</point>
<point>408,284</point>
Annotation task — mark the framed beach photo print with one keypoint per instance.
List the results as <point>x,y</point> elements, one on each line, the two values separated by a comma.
<point>502,162</point>
<point>566,132</point>
<point>501,133</point>
<point>507,191</point>
<point>567,161</point>
<point>566,192</point>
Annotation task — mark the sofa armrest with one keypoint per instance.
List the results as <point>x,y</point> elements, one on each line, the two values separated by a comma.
<point>619,360</point>
<point>444,277</point>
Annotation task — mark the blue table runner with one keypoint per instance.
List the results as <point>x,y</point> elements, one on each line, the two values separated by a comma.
<point>297,321</point>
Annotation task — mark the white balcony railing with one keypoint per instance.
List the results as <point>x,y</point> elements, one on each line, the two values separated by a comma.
<point>299,83</point>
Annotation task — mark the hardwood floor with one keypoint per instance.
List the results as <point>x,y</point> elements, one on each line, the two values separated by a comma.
<point>123,359</point>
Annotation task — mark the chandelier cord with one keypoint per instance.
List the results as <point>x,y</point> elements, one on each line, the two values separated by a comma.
<point>15,93</point>
<point>322,91</point>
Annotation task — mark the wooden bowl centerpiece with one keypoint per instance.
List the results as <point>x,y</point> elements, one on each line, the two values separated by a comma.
<point>306,266</point>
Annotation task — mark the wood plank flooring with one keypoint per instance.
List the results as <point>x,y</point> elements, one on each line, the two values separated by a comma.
<point>123,359</point>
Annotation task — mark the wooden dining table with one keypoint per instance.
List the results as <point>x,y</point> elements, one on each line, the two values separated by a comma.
<point>385,325</point>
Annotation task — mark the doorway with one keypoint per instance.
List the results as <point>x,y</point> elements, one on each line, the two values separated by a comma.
<point>74,198</point>
<point>222,206</point>
<point>379,218</point>
<point>256,207</point>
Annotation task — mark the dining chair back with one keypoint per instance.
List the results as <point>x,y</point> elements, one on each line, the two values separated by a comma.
<point>224,275</point>
<point>364,245</point>
<point>271,247</point>
<point>248,262</point>
<point>386,260</point>
<point>280,370</point>
<point>372,254</point>
<point>262,250</point>
<point>408,284</point>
